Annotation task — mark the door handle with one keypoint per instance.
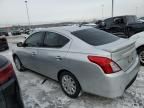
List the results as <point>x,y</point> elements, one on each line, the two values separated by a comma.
<point>58,58</point>
<point>33,53</point>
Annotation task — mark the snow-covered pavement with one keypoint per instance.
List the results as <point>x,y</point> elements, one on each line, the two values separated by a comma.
<point>49,95</point>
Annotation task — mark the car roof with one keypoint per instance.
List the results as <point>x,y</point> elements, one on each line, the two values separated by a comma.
<point>120,16</point>
<point>64,28</point>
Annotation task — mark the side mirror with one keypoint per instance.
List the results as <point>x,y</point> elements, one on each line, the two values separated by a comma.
<point>20,44</point>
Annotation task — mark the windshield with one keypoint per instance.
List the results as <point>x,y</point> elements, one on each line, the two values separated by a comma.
<point>95,37</point>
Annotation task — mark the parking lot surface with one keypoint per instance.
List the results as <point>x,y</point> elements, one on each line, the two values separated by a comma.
<point>49,95</point>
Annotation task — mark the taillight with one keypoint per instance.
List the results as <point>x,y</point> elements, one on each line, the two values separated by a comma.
<point>108,65</point>
<point>6,73</point>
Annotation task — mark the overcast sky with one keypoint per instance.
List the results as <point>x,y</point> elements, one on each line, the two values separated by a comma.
<point>41,11</point>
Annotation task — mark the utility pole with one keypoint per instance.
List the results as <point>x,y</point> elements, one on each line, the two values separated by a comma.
<point>136,11</point>
<point>27,10</point>
<point>102,10</point>
<point>112,8</point>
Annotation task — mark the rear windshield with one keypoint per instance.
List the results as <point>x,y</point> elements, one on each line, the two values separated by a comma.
<point>95,37</point>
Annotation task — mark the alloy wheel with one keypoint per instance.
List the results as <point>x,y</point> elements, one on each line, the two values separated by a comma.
<point>69,84</point>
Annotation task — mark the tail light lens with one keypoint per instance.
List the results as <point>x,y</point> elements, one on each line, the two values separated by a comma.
<point>6,73</point>
<point>108,65</point>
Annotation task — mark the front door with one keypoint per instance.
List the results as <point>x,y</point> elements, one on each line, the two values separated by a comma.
<point>52,56</point>
<point>28,54</point>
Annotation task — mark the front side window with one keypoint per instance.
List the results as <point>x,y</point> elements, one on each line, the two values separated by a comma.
<point>35,40</point>
<point>54,40</point>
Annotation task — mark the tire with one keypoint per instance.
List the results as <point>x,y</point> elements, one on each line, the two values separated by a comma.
<point>67,79</point>
<point>18,64</point>
<point>140,52</point>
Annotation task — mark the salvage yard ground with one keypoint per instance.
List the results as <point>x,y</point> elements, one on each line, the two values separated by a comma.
<point>49,95</point>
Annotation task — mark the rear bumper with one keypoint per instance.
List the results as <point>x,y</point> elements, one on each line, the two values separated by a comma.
<point>114,85</point>
<point>11,95</point>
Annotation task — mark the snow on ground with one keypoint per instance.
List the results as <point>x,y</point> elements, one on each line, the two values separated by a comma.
<point>50,95</point>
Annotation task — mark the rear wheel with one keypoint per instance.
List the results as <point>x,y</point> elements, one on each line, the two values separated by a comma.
<point>18,64</point>
<point>70,84</point>
<point>141,55</point>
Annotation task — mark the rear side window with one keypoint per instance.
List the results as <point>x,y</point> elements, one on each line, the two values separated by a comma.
<point>54,40</point>
<point>95,37</point>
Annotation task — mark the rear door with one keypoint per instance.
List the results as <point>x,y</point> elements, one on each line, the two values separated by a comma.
<point>52,56</point>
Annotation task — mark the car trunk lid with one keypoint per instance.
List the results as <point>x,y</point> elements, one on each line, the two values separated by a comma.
<point>122,52</point>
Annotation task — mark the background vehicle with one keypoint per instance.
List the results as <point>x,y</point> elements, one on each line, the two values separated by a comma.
<point>27,31</point>
<point>16,32</point>
<point>2,33</point>
<point>10,96</point>
<point>128,25</point>
<point>3,44</point>
<point>80,58</point>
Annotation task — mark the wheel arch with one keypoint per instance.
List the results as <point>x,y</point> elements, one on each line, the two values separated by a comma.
<point>65,70</point>
<point>14,55</point>
<point>139,47</point>
<point>60,72</point>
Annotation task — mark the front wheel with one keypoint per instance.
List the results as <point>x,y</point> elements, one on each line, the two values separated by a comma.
<point>70,85</point>
<point>141,55</point>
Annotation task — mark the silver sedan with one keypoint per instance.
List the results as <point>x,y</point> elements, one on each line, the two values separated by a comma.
<point>81,59</point>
